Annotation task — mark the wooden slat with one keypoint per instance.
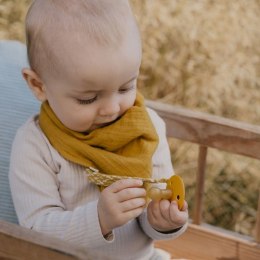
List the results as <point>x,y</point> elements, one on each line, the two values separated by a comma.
<point>208,130</point>
<point>205,243</point>
<point>257,228</point>
<point>21,243</point>
<point>199,193</point>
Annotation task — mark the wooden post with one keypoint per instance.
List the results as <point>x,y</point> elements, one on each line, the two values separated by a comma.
<point>197,215</point>
<point>17,242</point>
<point>257,229</point>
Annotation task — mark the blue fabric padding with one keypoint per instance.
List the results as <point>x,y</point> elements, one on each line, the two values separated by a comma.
<point>17,104</point>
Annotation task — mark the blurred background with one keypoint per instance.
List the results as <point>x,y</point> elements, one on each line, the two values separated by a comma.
<point>203,55</point>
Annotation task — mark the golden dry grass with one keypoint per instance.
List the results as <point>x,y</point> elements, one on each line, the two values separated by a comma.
<point>203,55</point>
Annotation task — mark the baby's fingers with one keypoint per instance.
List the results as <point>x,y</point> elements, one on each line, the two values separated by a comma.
<point>131,214</point>
<point>185,206</point>
<point>177,216</point>
<point>131,193</point>
<point>164,209</point>
<point>132,204</point>
<point>124,184</point>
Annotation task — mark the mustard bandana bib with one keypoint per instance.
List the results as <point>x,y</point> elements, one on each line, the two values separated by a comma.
<point>124,148</point>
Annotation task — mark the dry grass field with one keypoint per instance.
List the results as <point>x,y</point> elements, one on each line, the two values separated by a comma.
<point>203,55</point>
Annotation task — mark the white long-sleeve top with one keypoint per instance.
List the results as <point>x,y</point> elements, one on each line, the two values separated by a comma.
<point>53,196</point>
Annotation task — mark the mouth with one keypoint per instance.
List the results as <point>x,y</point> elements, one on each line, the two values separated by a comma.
<point>99,125</point>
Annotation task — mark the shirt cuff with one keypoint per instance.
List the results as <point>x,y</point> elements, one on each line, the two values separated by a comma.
<point>156,235</point>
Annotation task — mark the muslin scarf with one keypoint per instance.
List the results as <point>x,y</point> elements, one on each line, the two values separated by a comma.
<point>123,148</point>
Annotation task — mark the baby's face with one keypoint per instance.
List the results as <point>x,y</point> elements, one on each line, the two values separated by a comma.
<point>98,86</point>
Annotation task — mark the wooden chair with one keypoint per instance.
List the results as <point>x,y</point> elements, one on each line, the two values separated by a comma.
<point>199,242</point>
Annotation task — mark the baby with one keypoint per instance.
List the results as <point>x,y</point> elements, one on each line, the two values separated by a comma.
<point>84,60</point>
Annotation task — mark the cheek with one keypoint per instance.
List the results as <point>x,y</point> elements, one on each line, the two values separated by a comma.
<point>129,102</point>
<point>79,120</point>
<point>74,117</point>
<point>67,117</point>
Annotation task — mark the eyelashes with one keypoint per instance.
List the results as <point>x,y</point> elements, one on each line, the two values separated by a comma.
<point>87,101</point>
<point>122,91</point>
<point>93,99</point>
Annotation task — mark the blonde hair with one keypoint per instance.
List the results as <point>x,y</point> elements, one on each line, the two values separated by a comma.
<point>49,22</point>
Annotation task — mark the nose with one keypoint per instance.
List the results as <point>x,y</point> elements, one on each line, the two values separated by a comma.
<point>110,107</point>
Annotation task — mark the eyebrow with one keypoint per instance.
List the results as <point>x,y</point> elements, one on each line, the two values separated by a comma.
<point>95,91</point>
<point>135,77</point>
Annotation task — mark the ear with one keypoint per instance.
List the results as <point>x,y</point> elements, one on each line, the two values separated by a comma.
<point>35,84</point>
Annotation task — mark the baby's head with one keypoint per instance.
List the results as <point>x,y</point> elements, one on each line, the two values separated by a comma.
<point>85,57</point>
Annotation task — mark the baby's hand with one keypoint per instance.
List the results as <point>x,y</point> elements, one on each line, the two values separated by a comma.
<point>120,202</point>
<point>165,216</point>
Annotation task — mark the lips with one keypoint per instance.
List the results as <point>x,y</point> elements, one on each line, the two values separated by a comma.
<point>98,125</point>
<point>102,125</point>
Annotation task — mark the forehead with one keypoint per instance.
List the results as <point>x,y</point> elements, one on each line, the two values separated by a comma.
<point>55,28</point>
<point>89,62</point>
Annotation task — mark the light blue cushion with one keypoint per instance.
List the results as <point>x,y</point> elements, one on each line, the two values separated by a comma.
<point>17,104</point>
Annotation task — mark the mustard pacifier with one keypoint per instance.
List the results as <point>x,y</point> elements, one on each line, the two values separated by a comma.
<point>174,191</point>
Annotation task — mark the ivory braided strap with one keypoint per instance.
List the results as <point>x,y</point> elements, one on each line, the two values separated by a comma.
<point>104,180</point>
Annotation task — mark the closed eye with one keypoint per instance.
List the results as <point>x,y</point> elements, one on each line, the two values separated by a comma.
<point>125,90</point>
<point>87,101</point>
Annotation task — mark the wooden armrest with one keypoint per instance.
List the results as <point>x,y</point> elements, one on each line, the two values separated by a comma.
<point>211,243</point>
<point>17,242</point>
<point>209,130</point>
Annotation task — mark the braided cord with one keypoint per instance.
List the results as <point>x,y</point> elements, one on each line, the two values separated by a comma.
<point>104,180</point>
